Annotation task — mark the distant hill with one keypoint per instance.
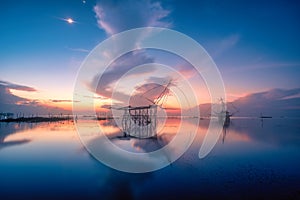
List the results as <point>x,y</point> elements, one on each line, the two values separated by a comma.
<point>275,103</point>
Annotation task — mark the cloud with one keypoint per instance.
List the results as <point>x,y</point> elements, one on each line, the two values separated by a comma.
<point>117,16</point>
<point>15,104</point>
<point>93,97</point>
<point>151,91</point>
<point>275,102</point>
<point>274,94</point>
<point>30,102</point>
<point>61,101</point>
<point>7,97</point>
<point>118,68</point>
<point>267,65</point>
<point>226,43</point>
<point>79,50</point>
<point>17,86</point>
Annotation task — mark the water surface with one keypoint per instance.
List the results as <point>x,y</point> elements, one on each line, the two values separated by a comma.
<point>253,159</point>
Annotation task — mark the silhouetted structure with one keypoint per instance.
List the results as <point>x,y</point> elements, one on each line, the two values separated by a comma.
<point>224,115</point>
<point>141,121</point>
<point>6,116</point>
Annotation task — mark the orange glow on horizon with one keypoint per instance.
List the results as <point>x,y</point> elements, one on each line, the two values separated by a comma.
<point>68,133</point>
<point>63,100</point>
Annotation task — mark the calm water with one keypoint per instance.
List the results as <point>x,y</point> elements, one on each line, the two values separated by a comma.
<point>252,160</point>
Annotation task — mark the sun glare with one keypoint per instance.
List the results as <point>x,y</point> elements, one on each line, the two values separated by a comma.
<point>70,20</point>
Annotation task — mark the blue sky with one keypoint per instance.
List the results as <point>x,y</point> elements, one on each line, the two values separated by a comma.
<point>255,44</point>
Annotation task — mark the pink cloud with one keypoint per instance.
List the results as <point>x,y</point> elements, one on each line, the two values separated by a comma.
<point>17,86</point>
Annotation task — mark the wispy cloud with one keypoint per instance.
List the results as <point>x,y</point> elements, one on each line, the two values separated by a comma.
<point>93,97</point>
<point>17,86</point>
<point>275,102</point>
<point>7,97</point>
<point>117,16</point>
<point>61,101</point>
<point>78,50</point>
<point>31,102</point>
<point>261,64</point>
<point>118,69</point>
<point>226,43</point>
<point>15,104</point>
<point>272,65</point>
<point>151,90</point>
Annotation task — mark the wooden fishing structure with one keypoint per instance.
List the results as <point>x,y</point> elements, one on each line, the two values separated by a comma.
<point>141,121</point>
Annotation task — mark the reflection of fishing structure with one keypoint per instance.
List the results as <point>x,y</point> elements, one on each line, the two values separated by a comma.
<point>224,133</point>
<point>141,121</point>
<point>224,117</point>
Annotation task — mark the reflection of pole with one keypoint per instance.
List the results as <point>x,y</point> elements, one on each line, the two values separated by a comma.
<point>224,134</point>
<point>155,121</point>
<point>147,120</point>
<point>125,122</point>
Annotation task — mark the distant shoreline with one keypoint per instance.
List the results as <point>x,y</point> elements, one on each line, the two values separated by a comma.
<point>36,119</point>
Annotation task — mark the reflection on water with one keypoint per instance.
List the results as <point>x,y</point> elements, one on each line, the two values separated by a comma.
<point>139,145</point>
<point>12,128</point>
<point>250,161</point>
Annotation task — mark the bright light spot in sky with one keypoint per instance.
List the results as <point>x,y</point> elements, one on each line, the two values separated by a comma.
<point>70,20</point>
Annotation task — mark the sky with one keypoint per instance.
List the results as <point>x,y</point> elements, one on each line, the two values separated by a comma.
<point>255,44</point>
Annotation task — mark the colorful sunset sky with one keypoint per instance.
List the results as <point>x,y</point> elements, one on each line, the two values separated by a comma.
<point>255,45</point>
